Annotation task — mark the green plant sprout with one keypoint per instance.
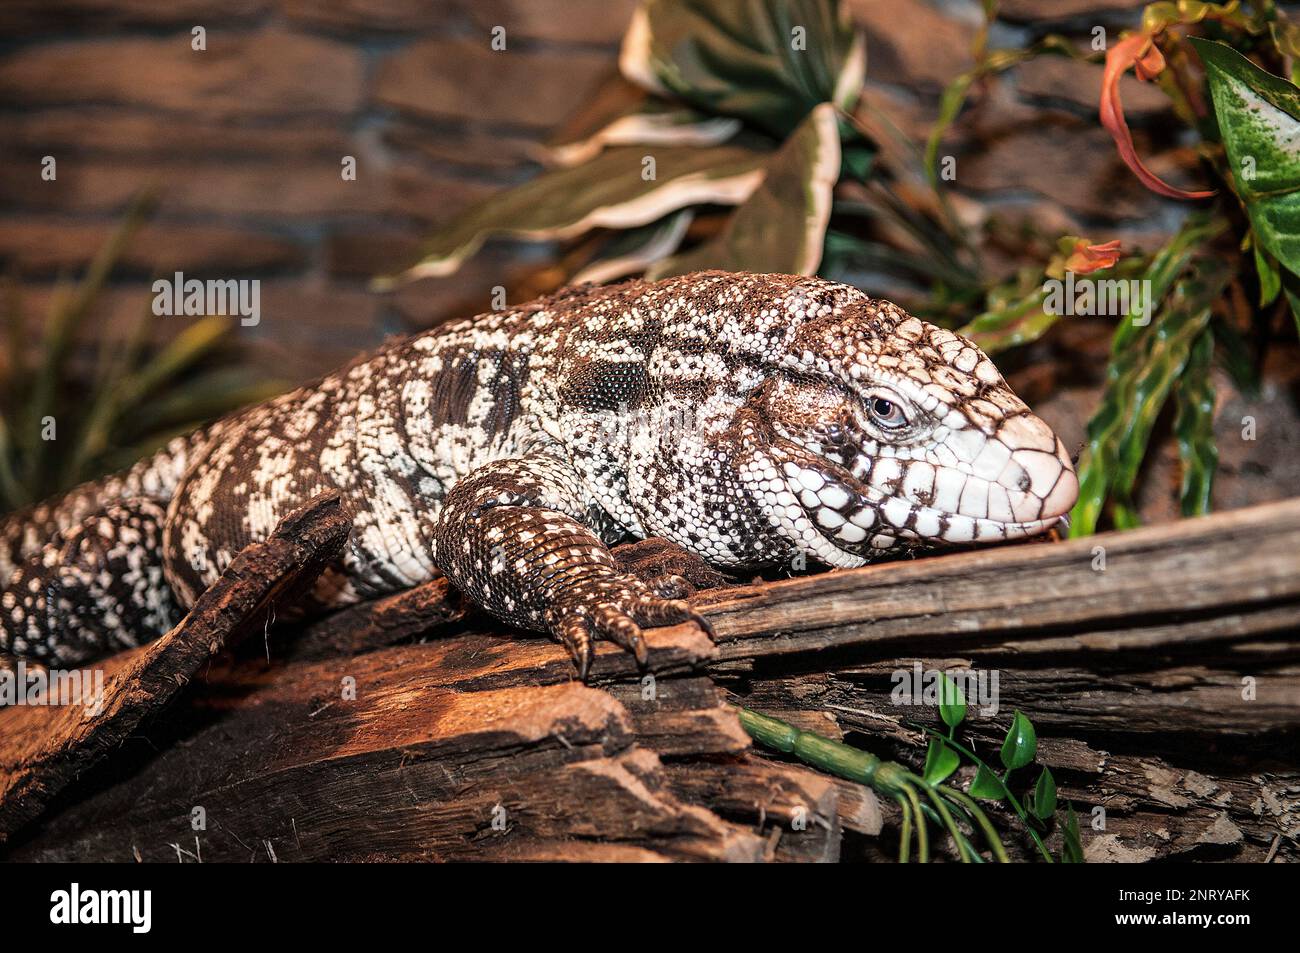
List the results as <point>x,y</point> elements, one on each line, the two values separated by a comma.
<point>943,757</point>
<point>1019,748</point>
<point>888,778</point>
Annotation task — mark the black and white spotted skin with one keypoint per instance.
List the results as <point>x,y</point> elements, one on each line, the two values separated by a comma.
<point>748,418</point>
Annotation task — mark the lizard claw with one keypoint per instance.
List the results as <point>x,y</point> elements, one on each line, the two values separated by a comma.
<point>616,613</point>
<point>573,634</point>
<point>622,630</point>
<point>670,586</point>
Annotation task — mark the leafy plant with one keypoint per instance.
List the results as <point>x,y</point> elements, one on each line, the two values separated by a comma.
<point>1019,748</point>
<point>943,805</point>
<point>57,430</point>
<point>720,147</point>
<point>1244,247</point>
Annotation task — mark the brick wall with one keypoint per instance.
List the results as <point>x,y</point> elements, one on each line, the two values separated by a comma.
<point>244,141</point>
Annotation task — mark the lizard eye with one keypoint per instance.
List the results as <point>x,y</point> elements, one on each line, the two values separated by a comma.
<point>887,414</point>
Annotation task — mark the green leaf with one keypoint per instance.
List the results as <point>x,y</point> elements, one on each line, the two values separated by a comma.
<point>1259,119</point>
<point>623,114</point>
<point>952,701</point>
<point>858,160</point>
<point>782,226</point>
<point>853,260</point>
<point>636,250</point>
<point>12,493</point>
<point>1286,37</point>
<point>1072,846</point>
<point>1044,805</point>
<point>180,353</point>
<point>766,62</point>
<point>200,397</point>
<point>940,762</point>
<point>1020,322</point>
<point>1291,285</point>
<point>1021,743</point>
<point>68,313</point>
<point>1161,359</point>
<point>1194,427</point>
<point>613,190</point>
<point>1145,361</point>
<point>1270,278</point>
<point>651,122</point>
<point>987,786</point>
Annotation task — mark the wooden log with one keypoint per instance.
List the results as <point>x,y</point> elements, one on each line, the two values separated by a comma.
<point>43,749</point>
<point>471,748</point>
<point>1232,578</point>
<point>1133,674</point>
<point>402,771</point>
<point>1232,575</point>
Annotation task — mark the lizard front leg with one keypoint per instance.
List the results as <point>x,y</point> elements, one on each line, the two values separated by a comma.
<point>518,537</point>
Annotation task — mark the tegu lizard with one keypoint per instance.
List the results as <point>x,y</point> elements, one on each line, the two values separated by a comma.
<point>750,419</point>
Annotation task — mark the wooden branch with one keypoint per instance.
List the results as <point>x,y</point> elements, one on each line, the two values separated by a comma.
<point>1133,674</point>
<point>370,758</point>
<point>1231,576</point>
<point>43,749</point>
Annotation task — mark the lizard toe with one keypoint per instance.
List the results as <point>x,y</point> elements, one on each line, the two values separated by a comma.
<point>670,586</point>
<point>652,610</point>
<point>574,634</point>
<point>615,625</point>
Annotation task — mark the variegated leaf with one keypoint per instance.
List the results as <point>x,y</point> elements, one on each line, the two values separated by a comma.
<point>782,226</point>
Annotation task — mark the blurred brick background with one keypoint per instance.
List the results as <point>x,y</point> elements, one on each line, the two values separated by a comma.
<point>244,141</point>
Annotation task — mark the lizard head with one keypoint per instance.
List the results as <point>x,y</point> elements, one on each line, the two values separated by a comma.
<point>881,431</point>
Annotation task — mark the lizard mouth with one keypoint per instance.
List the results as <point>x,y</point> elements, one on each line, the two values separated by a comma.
<point>843,521</point>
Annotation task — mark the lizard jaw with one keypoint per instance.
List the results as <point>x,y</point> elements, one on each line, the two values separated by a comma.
<point>830,514</point>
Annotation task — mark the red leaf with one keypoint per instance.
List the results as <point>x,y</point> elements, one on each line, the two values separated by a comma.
<point>1085,259</point>
<point>1139,51</point>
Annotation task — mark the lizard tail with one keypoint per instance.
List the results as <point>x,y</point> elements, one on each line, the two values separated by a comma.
<point>27,531</point>
<point>81,575</point>
<point>92,590</point>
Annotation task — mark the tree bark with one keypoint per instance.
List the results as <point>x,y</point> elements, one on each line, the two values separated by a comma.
<point>1159,665</point>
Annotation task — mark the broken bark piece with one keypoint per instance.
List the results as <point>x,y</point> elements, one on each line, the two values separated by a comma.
<point>680,717</point>
<point>303,769</point>
<point>797,808</point>
<point>43,749</point>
